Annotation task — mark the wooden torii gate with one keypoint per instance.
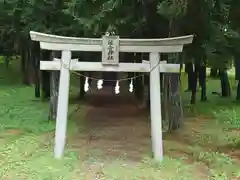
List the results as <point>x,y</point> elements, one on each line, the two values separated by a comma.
<point>110,46</point>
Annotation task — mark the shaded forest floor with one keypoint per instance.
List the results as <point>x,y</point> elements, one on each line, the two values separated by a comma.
<point>109,139</point>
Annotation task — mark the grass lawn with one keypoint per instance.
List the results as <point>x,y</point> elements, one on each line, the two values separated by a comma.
<point>207,147</point>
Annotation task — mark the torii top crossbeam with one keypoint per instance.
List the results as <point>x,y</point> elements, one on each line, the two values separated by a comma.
<point>61,43</point>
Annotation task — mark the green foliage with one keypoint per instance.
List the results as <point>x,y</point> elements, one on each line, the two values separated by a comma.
<point>214,23</point>
<point>12,112</point>
<point>230,118</point>
<point>173,9</point>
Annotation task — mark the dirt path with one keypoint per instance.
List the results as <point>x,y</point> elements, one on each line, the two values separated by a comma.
<point>115,125</point>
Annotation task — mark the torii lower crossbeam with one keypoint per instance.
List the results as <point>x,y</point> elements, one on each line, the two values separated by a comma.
<point>73,65</point>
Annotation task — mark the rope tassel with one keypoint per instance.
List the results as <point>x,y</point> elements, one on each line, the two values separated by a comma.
<point>99,84</point>
<point>131,86</point>
<point>86,85</point>
<point>117,88</point>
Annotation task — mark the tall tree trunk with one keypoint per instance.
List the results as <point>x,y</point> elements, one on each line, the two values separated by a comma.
<point>175,103</point>
<point>214,72</point>
<point>202,80</point>
<point>203,76</point>
<point>82,57</point>
<point>129,57</point>
<point>237,73</point>
<point>29,64</point>
<point>45,76</point>
<point>165,92</point>
<point>25,64</point>
<point>138,81</point>
<point>146,85</point>
<point>194,85</point>
<point>6,61</point>
<point>189,71</point>
<point>82,81</point>
<point>175,107</point>
<point>225,84</point>
<point>165,98</point>
<point>35,52</point>
<point>238,91</point>
<point>54,85</point>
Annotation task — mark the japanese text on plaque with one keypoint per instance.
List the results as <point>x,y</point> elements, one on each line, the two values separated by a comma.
<point>110,50</point>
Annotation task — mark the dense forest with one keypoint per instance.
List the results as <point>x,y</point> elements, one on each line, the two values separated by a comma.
<point>214,24</point>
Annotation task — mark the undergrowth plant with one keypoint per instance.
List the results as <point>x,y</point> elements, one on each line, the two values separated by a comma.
<point>229,117</point>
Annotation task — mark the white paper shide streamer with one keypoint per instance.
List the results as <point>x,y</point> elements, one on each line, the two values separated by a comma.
<point>99,84</point>
<point>117,88</point>
<point>131,86</point>
<point>86,85</point>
